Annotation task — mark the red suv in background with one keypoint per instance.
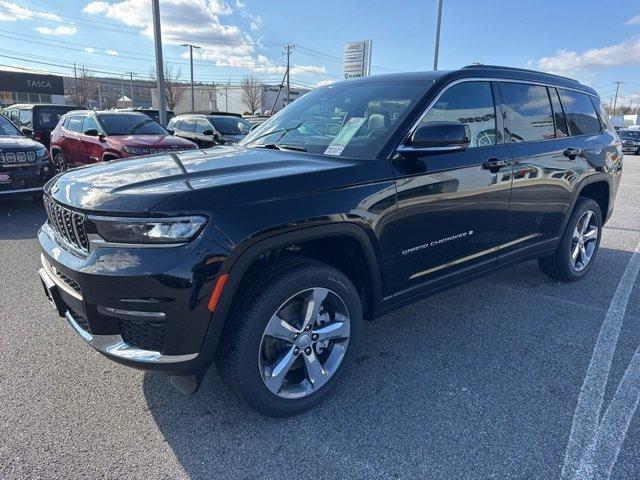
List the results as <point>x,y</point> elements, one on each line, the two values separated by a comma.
<point>84,137</point>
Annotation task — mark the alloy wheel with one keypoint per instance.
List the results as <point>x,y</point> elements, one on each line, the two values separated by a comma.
<point>304,343</point>
<point>584,240</point>
<point>59,165</point>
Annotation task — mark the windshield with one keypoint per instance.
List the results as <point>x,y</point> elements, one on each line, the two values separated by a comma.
<point>629,135</point>
<point>47,118</point>
<point>348,119</point>
<point>230,125</point>
<point>134,124</point>
<point>7,128</point>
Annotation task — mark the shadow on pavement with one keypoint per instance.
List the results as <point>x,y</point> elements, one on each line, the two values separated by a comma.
<point>20,218</point>
<point>480,388</point>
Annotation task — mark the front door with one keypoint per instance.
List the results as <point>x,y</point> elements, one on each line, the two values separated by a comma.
<point>452,205</point>
<point>90,147</point>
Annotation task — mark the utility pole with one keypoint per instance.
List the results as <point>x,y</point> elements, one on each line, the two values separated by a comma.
<point>437,47</point>
<point>99,98</point>
<point>288,48</point>
<point>615,100</point>
<point>157,40</point>
<point>191,47</point>
<point>226,95</point>
<point>131,74</point>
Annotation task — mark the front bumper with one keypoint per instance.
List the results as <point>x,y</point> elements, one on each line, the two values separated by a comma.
<point>142,307</point>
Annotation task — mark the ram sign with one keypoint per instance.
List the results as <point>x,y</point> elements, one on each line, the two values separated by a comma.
<point>357,59</point>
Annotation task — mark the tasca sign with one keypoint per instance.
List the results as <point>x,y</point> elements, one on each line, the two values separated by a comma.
<point>357,59</point>
<point>31,83</point>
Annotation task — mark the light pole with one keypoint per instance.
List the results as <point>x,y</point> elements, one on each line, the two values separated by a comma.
<point>191,47</point>
<point>437,47</point>
<point>157,40</point>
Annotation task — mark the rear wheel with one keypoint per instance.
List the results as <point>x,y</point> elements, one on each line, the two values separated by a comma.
<point>294,331</point>
<point>579,243</point>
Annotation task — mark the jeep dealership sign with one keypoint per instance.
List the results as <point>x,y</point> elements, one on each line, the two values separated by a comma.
<point>357,59</point>
<point>30,83</point>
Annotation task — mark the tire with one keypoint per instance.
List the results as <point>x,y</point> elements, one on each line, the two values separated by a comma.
<point>59,163</point>
<point>248,356</point>
<point>561,265</point>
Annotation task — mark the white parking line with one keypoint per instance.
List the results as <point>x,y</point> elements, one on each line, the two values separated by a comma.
<point>587,414</point>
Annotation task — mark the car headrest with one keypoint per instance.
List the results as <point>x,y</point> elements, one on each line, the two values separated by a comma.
<point>376,121</point>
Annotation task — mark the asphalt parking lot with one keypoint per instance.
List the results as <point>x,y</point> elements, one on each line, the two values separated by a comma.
<point>486,380</point>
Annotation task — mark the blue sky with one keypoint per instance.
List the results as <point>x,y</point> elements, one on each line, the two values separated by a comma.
<point>597,42</point>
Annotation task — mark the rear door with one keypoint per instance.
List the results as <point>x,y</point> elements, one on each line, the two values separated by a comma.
<point>548,160</point>
<point>452,206</point>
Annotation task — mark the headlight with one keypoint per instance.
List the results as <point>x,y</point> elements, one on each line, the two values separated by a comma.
<point>42,153</point>
<point>136,150</point>
<point>148,230</point>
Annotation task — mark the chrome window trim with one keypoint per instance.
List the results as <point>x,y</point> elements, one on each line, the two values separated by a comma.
<point>489,80</point>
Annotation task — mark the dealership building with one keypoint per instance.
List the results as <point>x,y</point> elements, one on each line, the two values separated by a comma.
<point>23,87</point>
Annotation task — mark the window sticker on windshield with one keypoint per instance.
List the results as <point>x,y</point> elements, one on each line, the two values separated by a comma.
<point>344,136</point>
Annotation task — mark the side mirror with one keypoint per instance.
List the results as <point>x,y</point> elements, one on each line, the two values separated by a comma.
<point>208,132</point>
<point>26,131</point>
<point>92,132</point>
<point>441,136</point>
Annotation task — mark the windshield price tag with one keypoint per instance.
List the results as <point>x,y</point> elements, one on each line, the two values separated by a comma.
<point>344,136</point>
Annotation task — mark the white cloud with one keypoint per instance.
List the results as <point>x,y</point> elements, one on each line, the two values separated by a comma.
<point>90,50</point>
<point>633,21</point>
<point>207,23</point>
<point>12,12</point>
<point>565,62</point>
<point>59,30</point>
<point>113,53</point>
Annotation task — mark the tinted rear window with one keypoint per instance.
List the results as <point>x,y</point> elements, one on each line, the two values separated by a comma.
<point>47,118</point>
<point>580,113</point>
<point>528,109</point>
<point>230,125</point>
<point>629,135</point>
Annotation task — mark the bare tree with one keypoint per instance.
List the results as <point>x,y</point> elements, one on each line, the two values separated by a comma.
<point>174,89</point>
<point>84,87</point>
<point>252,93</point>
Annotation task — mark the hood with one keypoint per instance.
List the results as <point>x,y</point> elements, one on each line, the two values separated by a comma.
<point>137,185</point>
<point>18,144</point>
<point>149,141</point>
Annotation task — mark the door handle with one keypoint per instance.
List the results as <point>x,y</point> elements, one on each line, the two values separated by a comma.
<point>572,153</point>
<point>494,164</point>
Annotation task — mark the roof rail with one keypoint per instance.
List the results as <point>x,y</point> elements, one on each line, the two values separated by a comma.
<point>514,69</point>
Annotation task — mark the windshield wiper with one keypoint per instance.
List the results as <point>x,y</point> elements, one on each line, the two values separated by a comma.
<point>284,131</point>
<point>278,146</point>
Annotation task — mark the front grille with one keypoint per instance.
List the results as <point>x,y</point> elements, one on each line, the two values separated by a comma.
<point>68,224</point>
<point>144,335</point>
<point>69,281</point>
<point>20,158</point>
<point>81,321</point>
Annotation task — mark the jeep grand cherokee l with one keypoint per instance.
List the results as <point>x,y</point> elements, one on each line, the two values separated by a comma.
<point>84,137</point>
<point>359,197</point>
<point>24,164</point>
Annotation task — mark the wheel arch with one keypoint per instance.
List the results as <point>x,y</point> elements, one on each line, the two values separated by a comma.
<point>597,186</point>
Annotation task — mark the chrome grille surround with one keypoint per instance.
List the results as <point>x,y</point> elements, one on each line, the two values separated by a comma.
<point>67,223</point>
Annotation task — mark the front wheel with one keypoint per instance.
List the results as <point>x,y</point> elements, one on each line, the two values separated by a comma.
<point>579,243</point>
<point>293,333</point>
<point>59,163</point>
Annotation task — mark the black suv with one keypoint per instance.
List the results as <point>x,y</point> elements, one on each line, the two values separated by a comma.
<point>24,164</point>
<point>37,120</point>
<point>356,199</point>
<point>210,130</point>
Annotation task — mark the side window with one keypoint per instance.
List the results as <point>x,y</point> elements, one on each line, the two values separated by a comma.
<point>90,123</point>
<point>558,114</point>
<point>14,116</point>
<point>580,113</point>
<point>469,103</point>
<point>25,118</point>
<point>605,121</point>
<point>75,124</point>
<point>172,124</point>
<point>528,112</point>
<point>188,125</point>
<point>202,126</point>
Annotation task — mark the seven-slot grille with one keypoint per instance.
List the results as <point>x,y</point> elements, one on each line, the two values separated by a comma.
<point>18,157</point>
<point>68,224</point>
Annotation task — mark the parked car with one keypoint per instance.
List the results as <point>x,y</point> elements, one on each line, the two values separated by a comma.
<point>84,137</point>
<point>24,163</point>
<point>630,141</point>
<point>153,113</point>
<point>210,130</point>
<point>268,256</point>
<point>37,119</point>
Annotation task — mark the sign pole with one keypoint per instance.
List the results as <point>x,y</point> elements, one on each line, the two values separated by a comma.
<point>437,47</point>
<point>157,40</point>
